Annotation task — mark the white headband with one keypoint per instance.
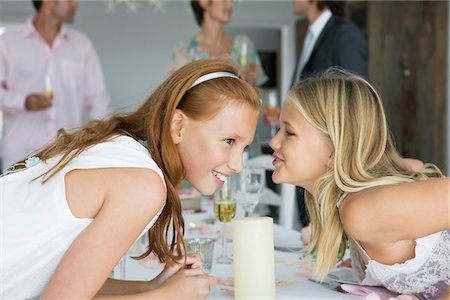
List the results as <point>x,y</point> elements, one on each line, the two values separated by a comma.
<point>210,76</point>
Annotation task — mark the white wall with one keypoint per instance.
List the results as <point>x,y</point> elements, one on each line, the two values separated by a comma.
<point>135,49</point>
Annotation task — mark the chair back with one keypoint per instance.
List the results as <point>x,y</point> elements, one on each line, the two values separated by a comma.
<point>284,198</point>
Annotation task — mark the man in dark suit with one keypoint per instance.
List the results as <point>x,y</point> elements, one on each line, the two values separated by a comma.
<point>330,41</point>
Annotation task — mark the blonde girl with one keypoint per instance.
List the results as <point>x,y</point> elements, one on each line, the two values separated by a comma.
<point>334,141</point>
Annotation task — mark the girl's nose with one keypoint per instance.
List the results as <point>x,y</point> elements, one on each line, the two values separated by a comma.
<point>274,142</point>
<point>236,162</point>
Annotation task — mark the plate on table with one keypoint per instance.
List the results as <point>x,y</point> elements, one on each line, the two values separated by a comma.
<point>287,243</point>
<point>342,275</point>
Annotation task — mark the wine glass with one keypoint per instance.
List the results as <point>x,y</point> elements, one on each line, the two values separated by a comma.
<point>244,57</point>
<point>248,188</point>
<point>224,211</point>
<point>247,68</point>
<point>272,113</point>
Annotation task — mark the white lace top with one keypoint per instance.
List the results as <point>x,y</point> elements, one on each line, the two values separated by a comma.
<point>427,275</point>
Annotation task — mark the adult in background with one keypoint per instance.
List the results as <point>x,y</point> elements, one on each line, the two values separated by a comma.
<point>212,41</point>
<point>49,76</point>
<point>330,41</point>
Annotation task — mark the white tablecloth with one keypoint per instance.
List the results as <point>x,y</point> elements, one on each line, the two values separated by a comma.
<point>286,265</point>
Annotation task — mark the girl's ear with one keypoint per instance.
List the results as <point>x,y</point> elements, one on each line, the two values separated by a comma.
<point>330,162</point>
<point>177,126</point>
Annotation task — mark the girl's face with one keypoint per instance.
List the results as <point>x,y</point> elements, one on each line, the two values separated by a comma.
<point>219,10</point>
<point>302,153</point>
<point>212,150</point>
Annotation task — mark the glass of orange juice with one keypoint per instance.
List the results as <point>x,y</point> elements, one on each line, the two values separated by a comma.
<point>48,92</point>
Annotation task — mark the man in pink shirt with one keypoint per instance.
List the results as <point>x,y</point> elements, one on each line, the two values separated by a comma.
<point>49,76</point>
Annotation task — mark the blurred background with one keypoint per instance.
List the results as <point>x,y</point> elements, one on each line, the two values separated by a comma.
<point>408,55</point>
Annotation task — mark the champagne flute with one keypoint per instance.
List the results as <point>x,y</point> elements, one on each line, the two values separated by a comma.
<point>244,55</point>
<point>224,211</point>
<point>245,61</point>
<point>272,113</point>
<point>249,187</point>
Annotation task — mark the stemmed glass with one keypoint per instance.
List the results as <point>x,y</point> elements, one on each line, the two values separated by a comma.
<point>248,188</point>
<point>224,211</point>
<point>247,68</point>
<point>272,113</point>
<point>244,58</point>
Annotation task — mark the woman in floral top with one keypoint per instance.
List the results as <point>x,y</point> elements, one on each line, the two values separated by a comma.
<point>213,42</point>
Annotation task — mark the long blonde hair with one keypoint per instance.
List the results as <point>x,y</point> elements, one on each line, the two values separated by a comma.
<point>151,122</point>
<point>349,111</point>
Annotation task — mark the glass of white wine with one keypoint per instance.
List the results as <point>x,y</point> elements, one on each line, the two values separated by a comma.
<point>224,211</point>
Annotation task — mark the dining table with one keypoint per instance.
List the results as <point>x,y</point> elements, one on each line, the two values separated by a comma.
<point>292,268</point>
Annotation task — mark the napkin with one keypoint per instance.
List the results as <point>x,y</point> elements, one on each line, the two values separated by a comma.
<point>375,293</point>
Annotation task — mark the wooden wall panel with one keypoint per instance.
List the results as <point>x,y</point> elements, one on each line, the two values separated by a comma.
<point>408,65</point>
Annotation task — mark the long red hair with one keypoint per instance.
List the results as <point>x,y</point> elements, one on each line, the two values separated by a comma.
<point>151,122</point>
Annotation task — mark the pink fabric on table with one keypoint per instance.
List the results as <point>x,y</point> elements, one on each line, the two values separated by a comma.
<point>305,234</point>
<point>305,267</point>
<point>76,79</point>
<point>375,293</point>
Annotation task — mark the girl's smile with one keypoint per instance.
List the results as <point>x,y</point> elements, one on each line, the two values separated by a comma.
<point>219,177</point>
<point>220,143</point>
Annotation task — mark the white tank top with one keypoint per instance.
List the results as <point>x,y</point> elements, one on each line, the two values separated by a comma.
<point>37,226</point>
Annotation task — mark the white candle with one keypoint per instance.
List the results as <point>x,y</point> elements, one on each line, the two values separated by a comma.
<point>253,256</point>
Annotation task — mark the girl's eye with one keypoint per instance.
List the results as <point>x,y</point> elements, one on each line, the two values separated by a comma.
<point>230,141</point>
<point>288,133</point>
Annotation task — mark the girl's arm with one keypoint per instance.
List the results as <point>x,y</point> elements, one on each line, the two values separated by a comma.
<point>186,284</point>
<point>131,198</point>
<point>124,287</point>
<point>446,296</point>
<point>398,212</point>
<point>414,164</point>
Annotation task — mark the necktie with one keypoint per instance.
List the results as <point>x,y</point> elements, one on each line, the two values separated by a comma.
<point>306,53</point>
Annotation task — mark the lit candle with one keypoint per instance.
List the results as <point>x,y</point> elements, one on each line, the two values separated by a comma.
<point>253,256</point>
<point>194,228</point>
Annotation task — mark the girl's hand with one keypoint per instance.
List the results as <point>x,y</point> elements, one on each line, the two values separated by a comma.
<point>193,261</point>
<point>188,284</point>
